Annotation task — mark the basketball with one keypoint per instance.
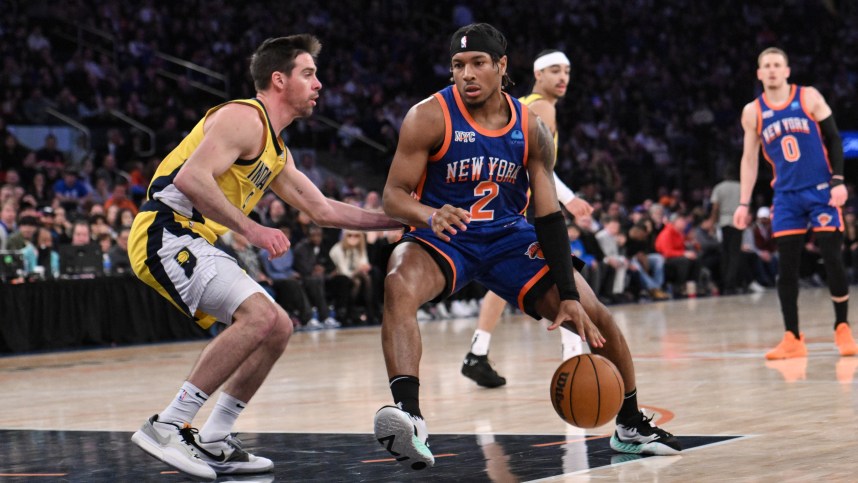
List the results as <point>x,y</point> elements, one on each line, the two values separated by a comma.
<point>587,391</point>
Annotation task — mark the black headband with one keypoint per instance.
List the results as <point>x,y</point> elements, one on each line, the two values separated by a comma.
<point>475,41</point>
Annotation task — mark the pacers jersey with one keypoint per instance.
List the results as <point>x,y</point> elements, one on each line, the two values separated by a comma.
<point>243,183</point>
<point>530,99</point>
<point>480,170</point>
<point>792,143</point>
<point>171,245</point>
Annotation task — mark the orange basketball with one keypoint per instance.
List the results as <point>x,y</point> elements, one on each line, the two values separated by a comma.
<point>587,391</point>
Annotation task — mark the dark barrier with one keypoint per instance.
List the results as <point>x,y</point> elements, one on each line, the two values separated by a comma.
<point>106,311</point>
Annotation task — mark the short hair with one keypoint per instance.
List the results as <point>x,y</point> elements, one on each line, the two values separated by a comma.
<point>772,50</point>
<point>278,55</point>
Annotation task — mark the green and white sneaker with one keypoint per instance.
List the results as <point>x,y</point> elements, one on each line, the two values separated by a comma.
<point>404,436</point>
<point>642,437</point>
<point>173,445</point>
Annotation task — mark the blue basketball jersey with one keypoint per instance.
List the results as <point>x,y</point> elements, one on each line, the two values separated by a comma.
<point>480,170</point>
<point>792,143</point>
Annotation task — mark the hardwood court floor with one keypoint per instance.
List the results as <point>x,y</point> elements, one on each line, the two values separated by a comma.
<point>699,362</point>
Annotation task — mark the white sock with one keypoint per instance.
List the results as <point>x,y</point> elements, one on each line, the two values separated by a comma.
<point>571,344</point>
<point>185,406</point>
<point>222,419</point>
<point>480,343</point>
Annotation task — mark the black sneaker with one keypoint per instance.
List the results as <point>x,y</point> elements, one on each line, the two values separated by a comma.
<point>642,437</point>
<point>480,370</point>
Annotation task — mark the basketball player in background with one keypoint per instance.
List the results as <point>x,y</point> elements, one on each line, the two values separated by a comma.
<point>551,78</point>
<point>207,185</point>
<point>799,138</point>
<point>465,203</point>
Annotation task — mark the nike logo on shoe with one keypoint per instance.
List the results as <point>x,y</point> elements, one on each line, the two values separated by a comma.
<point>212,456</point>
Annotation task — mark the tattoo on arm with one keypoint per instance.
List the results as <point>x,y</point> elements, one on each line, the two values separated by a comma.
<point>545,145</point>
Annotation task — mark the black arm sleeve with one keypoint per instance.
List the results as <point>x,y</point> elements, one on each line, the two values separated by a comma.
<point>834,145</point>
<point>552,236</point>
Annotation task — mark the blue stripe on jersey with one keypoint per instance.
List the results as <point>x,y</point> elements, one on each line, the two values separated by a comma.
<point>792,144</point>
<point>482,170</point>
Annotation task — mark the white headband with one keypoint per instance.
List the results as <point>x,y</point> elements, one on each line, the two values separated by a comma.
<point>554,58</point>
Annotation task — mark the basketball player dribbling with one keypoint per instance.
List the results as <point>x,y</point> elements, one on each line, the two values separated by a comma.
<point>460,177</point>
<point>796,129</point>
<point>551,77</point>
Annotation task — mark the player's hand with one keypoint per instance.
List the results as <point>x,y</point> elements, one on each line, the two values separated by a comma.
<point>838,196</point>
<point>579,207</point>
<point>573,312</point>
<point>740,217</point>
<point>449,219</point>
<point>270,239</point>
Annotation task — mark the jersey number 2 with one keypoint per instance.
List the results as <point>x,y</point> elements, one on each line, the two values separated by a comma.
<point>488,190</point>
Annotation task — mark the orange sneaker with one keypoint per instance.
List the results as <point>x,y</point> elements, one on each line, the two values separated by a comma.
<point>844,340</point>
<point>788,348</point>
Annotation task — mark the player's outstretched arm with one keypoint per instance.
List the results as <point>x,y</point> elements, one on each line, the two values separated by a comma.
<point>295,188</point>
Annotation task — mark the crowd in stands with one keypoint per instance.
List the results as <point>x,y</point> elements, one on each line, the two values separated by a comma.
<point>650,122</point>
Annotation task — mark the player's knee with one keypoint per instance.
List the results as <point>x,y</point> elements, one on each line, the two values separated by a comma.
<point>264,318</point>
<point>399,292</point>
<point>281,331</point>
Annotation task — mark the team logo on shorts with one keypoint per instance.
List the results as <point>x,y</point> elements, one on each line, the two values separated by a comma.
<point>534,251</point>
<point>186,260</point>
<point>824,219</point>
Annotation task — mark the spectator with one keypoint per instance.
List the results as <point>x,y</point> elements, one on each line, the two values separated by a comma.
<point>681,266</point>
<point>13,155</point>
<point>43,255</point>
<point>119,198</point>
<point>313,263</point>
<point>277,214</point>
<point>62,227</point>
<point>640,249</point>
<point>70,191</point>
<point>39,189</point>
<point>288,289</point>
<point>24,235</point>
<point>8,216</point>
<point>725,200</point>
<point>611,241</point>
<point>705,240</point>
<point>118,253</point>
<point>48,154</point>
<point>590,272</point>
<point>351,260</point>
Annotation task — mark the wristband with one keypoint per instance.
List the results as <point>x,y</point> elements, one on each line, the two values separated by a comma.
<point>554,241</point>
<point>430,218</point>
<point>835,181</point>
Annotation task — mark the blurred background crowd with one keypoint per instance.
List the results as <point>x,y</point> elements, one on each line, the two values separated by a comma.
<point>94,93</point>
